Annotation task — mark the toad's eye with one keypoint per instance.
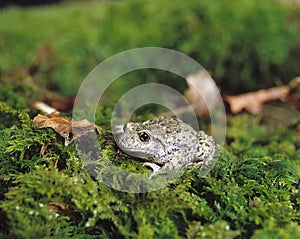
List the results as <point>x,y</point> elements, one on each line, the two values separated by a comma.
<point>144,137</point>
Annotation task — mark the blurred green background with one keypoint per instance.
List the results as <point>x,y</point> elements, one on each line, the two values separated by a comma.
<point>245,45</point>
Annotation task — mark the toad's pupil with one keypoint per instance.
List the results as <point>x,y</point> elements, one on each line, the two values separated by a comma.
<point>144,137</point>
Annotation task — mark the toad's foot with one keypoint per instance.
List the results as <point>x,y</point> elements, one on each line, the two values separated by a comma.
<point>167,169</point>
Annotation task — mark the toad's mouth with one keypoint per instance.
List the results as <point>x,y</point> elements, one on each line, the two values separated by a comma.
<point>145,154</point>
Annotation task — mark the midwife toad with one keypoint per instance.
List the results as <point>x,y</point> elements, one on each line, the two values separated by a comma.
<point>165,143</point>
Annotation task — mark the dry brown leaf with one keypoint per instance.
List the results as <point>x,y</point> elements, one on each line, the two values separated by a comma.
<point>60,103</point>
<point>53,102</point>
<point>253,101</point>
<point>65,104</point>
<point>55,121</point>
<point>69,130</point>
<point>61,208</point>
<point>201,86</point>
<point>293,96</point>
<point>202,92</point>
<point>281,113</point>
<point>56,207</point>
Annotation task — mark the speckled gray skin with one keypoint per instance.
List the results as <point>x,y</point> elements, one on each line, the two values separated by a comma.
<point>166,144</point>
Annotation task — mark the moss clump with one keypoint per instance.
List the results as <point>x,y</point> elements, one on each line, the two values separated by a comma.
<point>51,194</point>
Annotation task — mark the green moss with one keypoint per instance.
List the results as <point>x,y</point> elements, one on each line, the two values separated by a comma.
<point>215,230</point>
<point>52,194</point>
<point>272,230</point>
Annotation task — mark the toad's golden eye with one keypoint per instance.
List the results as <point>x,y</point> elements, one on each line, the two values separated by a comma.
<point>144,137</point>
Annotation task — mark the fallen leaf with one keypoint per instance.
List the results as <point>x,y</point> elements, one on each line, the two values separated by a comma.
<point>60,103</point>
<point>202,93</point>
<point>65,104</point>
<point>61,208</point>
<point>293,96</point>
<point>253,101</point>
<point>69,130</point>
<point>282,113</point>
<point>56,207</point>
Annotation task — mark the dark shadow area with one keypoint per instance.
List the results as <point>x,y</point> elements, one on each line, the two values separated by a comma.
<point>27,3</point>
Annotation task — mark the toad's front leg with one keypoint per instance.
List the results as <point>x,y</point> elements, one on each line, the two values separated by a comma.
<point>168,168</point>
<point>155,168</point>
